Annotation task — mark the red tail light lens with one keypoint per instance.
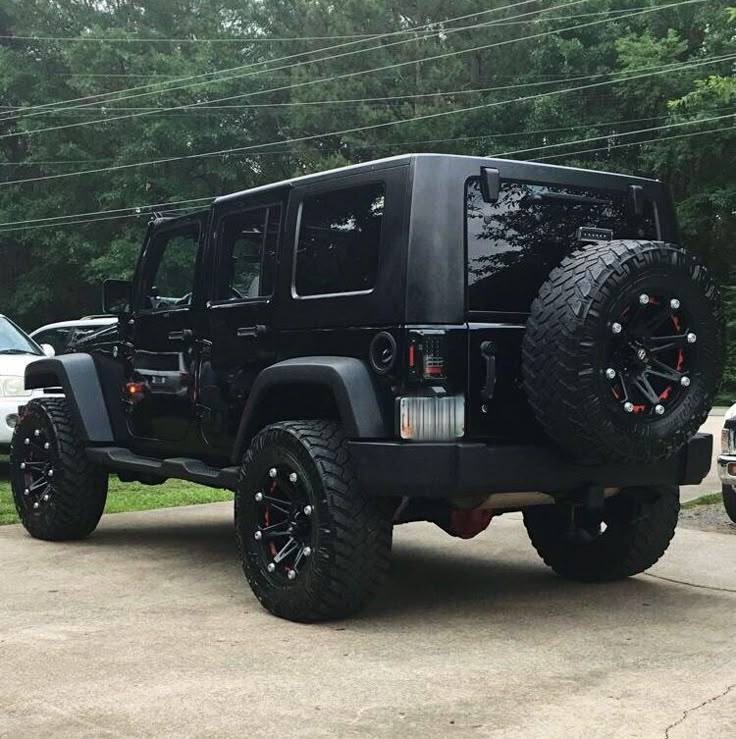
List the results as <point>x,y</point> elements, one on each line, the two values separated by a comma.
<point>426,359</point>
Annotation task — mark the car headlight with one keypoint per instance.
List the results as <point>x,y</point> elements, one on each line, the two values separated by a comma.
<point>13,386</point>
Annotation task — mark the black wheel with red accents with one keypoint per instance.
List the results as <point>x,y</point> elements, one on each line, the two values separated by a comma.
<point>58,493</point>
<point>313,545</point>
<point>624,351</point>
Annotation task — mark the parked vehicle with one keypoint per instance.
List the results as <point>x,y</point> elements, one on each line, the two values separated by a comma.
<point>727,463</point>
<point>17,349</point>
<point>426,337</point>
<point>64,335</point>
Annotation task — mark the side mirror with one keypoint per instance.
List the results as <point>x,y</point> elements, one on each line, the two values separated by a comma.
<point>116,296</point>
<point>48,350</point>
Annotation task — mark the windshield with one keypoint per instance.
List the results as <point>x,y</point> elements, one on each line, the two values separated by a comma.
<point>14,341</point>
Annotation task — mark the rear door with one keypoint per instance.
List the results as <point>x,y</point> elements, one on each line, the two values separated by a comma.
<point>160,399</point>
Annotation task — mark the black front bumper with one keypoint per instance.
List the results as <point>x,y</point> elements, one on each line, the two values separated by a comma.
<point>448,470</point>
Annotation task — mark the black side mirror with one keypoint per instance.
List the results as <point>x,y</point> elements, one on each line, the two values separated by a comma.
<point>116,296</point>
<point>490,184</point>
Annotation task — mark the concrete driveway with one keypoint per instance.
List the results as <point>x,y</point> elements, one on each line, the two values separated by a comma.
<point>148,629</point>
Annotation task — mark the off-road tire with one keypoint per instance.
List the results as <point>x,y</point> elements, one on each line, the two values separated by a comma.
<point>350,531</point>
<point>77,490</point>
<point>564,350</point>
<point>640,525</point>
<point>729,501</point>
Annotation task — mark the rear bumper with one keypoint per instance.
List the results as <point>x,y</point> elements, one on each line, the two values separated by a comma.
<point>448,470</point>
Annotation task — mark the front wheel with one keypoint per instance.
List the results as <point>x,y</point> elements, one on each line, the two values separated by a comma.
<point>313,545</point>
<point>637,527</point>
<point>729,501</point>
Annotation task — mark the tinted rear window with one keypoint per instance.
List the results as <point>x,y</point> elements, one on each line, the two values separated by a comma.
<point>513,244</point>
<point>339,241</point>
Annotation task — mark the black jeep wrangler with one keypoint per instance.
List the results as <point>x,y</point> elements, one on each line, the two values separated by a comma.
<point>426,337</point>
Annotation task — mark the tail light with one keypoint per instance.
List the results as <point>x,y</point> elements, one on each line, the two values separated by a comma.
<point>426,360</point>
<point>431,418</point>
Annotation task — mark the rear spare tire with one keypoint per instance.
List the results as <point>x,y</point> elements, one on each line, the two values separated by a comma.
<point>624,350</point>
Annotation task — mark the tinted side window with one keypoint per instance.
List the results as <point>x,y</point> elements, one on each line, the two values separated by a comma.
<point>339,241</point>
<point>248,243</point>
<point>57,337</point>
<point>513,244</point>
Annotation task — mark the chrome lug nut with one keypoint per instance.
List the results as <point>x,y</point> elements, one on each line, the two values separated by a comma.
<point>37,433</point>
<point>27,441</point>
<point>629,407</point>
<point>307,552</point>
<point>272,472</point>
<point>610,373</point>
<point>46,496</point>
<point>26,492</point>
<point>50,473</point>
<point>291,574</point>
<point>691,338</point>
<point>22,465</point>
<point>674,303</point>
<point>308,510</point>
<point>259,497</point>
<point>659,409</point>
<point>36,506</point>
<point>46,445</point>
<point>292,477</point>
<point>258,535</point>
<point>644,299</point>
<point>271,567</point>
<point>685,381</point>
<point>616,328</point>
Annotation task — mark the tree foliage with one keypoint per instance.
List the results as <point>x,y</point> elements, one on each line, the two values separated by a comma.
<point>511,62</point>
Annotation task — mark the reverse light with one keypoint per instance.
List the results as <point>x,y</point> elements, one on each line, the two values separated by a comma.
<point>431,418</point>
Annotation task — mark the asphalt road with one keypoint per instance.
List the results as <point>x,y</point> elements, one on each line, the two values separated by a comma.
<point>148,629</point>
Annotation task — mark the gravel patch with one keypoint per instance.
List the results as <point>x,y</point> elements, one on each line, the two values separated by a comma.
<point>707,518</point>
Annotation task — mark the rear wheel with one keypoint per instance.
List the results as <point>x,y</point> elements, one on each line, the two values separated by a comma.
<point>729,501</point>
<point>57,492</point>
<point>637,527</point>
<point>313,545</point>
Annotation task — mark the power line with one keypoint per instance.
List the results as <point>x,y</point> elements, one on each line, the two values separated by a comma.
<point>282,59</point>
<point>368,127</point>
<point>290,86</point>
<point>362,72</point>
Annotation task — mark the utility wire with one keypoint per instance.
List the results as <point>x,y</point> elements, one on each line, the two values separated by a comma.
<point>289,86</point>
<point>342,132</point>
<point>426,26</point>
<point>362,72</point>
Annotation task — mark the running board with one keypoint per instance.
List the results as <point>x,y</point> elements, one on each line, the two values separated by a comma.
<point>119,459</point>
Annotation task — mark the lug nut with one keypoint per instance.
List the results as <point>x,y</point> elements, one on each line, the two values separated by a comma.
<point>46,445</point>
<point>259,497</point>
<point>36,506</point>
<point>610,373</point>
<point>691,338</point>
<point>307,551</point>
<point>644,299</point>
<point>50,473</point>
<point>37,433</point>
<point>292,477</point>
<point>629,407</point>
<point>27,441</point>
<point>616,328</point>
<point>46,496</point>
<point>271,567</point>
<point>659,410</point>
<point>674,303</point>
<point>22,465</point>
<point>26,491</point>
<point>685,381</point>
<point>307,510</point>
<point>258,535</point>
<point>291,574</point>
<point>272,472</point>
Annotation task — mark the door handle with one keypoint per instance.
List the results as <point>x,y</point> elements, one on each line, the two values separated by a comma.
<point>186,335</point>
<point>488,352</point>
<point>252,332</point>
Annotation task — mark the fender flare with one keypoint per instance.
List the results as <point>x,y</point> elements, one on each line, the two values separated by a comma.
<point>349,380</point>
<point>76,374</point>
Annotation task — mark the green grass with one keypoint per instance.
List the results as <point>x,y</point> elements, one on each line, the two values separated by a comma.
<point>709,499</point>
<point>127,496</point>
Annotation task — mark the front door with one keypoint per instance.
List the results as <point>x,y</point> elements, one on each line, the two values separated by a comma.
<point>239,314</point>
<point>159,401</point>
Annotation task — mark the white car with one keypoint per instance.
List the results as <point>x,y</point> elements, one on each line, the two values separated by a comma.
<point>64,333</point>
<point>17,350</point>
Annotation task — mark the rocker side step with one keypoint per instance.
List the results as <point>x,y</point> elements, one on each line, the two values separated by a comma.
<point>119,459</point>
